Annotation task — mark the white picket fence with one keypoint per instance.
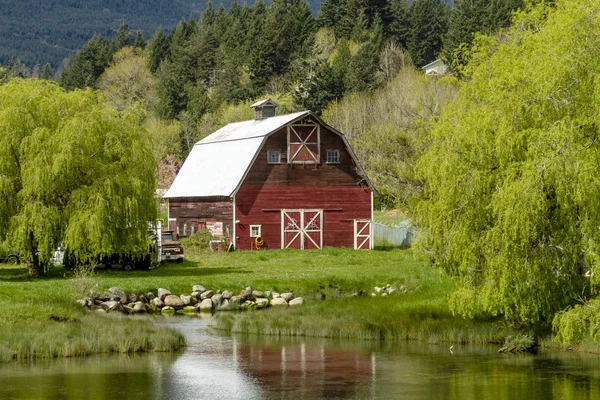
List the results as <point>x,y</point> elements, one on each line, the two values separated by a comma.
<point>400,235</point>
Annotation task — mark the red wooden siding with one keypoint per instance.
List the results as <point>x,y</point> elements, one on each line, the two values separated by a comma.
<point>337,189</point>
<point>257,205</point>
<point>198,212</point>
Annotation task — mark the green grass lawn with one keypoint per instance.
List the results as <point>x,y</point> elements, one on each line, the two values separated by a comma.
<point>336,284</point>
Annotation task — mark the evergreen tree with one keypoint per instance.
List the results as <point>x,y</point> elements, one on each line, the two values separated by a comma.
<point>428,25</point>
<point>400,27</point>
<point>139,43</point>
<point>159,49</point>
<point>122,39</point>
<point>87,66</point>
<point>208,16</point>
<point>46,72</point>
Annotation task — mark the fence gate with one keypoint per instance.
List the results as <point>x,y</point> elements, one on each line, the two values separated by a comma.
<point>362,234</point>
<point>301,229</point>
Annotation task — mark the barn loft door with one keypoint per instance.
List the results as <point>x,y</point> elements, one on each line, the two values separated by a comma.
<point>362,234</point>
<point>301,229</point>
<point>303,144</point>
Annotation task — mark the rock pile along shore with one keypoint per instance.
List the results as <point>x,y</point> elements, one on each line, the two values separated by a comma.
<point>199,300</point>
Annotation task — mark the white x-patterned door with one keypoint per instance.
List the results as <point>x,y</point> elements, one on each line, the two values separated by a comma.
<point>301,229</point>
<point>362,234</point>
<point>304,144</point>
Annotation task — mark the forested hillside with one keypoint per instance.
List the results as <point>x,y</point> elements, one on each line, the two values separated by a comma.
<point>39,32</point>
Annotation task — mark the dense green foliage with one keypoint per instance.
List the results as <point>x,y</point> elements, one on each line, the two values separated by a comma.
<point>512,169</point>
<point>72,172</point>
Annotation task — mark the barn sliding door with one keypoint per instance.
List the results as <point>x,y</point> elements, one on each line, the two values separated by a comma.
<point>362,234</point>
<point>301,229</point>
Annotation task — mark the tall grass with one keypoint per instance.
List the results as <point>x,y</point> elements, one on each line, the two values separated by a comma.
<point>91,334</point>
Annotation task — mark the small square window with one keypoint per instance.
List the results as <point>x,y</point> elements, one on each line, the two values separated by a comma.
<point>273,157</point>
<point>255,230</point>
<point>333,156</point>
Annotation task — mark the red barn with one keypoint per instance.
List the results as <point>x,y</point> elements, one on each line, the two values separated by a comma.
<point>290,179</point>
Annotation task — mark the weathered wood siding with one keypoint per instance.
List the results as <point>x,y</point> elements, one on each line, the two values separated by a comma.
<point>196,213</point>
<point>335,188</point>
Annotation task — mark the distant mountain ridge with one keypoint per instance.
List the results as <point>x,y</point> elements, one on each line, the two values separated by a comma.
<point>37,32</point>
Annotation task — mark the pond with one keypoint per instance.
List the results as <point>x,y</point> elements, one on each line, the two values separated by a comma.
<point>216,366</point>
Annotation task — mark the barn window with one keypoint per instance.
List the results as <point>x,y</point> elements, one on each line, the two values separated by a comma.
<point>255,230</point>
<point>333,156</point>
<point>273,157</point>
<point>303,144</point>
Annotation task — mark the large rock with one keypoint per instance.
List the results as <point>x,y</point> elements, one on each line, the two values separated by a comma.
<point>103,297</point>
<point>158,302</point>
<point>143,299</point>
<point>198,288</point>
<point>206,295</point>
<point>162,293</point>
<point>206,305</point>
<point>190,310</point>
<point>275,295</point>
<point>287,296</point>
<point>120,293</point>
<point>173,301</point>
<point>225,305</point>
<point>278,301</point>
<point>187,300</point>
<point>150,295</point>
<point>139,307</point>
<point>298,301</point>
<point>85,302</point>
<point>246,294</point>
<point>236,300</point>
<point>216,299</point>
<point>196,295</point>
<point>111,305</point>
<point>167,310</point>
<point>227,295</point>
<point>132,298</point>
<point>258,293</point>
<point>262,302</point>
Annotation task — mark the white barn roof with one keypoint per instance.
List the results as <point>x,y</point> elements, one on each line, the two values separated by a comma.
<point>218,163</point>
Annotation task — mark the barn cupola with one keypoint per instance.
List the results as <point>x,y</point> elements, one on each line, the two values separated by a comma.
<point>264,109</point>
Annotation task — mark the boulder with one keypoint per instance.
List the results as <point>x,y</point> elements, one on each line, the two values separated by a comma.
<point>298,301</point>
<point>275,295</point>
<point>128,310</point>
<point>111,305</point>
<point>206,305</point>
<point>278,301</point>
<point>107,297</point>
<point>246,295</point>
<point>187,300</point>
<point>206,294</point>
<point>216,299</point>
<point>173,301</point>
<point>84,302</point>
<point>150,295</point>
<point>236,300</point>
<point>287,296</point>
<point>196,295</point>
<point>225,305</point>
<point>143,299</point>
<point>158,302</point>
<point>162,293</point>
<point>190,310</point>
<point>120,293</point>
<point>139,307</point>
<point>248,305</point>
<point>227,295</point>
<point>262,302</point>
<point>391,290</point>
<point>167,310</point>
<point>132,298</point>
<point>268,294</point>
<point>198,288</point>
<point>258,293</point>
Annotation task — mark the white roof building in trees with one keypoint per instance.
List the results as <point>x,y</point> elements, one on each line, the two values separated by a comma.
<point>218,163</point>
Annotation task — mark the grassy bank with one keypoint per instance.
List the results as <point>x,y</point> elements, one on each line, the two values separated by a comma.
<point>40,319</point>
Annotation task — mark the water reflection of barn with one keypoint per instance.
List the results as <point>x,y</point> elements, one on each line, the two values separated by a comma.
<point>331,372</point>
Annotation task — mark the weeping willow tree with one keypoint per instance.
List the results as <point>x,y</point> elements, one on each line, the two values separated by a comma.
<point>72,172</point>
<point>512,169</point>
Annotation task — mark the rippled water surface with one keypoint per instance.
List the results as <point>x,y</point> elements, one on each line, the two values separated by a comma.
<point>215,366</point>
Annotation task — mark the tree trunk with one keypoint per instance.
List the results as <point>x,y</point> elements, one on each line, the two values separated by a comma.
<point>33,269</point>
